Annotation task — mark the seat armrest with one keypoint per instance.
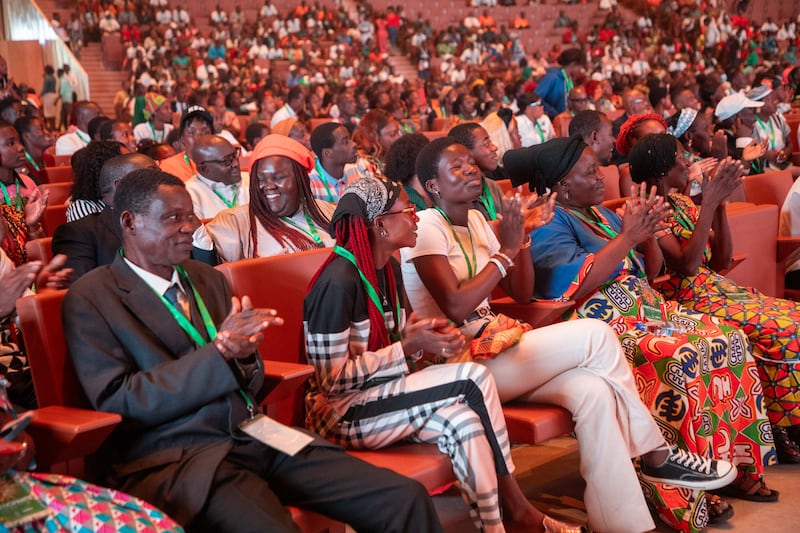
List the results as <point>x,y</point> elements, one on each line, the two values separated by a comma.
<point>736,260</point>
<point>66,433</point>
<point>281,379</point>
<point>786,247</point>
<point>537,313</point>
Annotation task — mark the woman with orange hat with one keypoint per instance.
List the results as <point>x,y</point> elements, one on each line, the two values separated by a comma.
<point>282,218</point>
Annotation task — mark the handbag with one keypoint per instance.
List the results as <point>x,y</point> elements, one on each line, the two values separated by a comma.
<point>498,334</point>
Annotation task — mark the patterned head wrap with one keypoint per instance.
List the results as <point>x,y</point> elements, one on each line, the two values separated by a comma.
<point>366,198</point>
<point>151,102</point>
<point>685,121</point>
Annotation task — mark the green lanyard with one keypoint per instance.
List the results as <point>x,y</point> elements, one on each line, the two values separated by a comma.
<point>310,232</point>
<point>568,85</point>
<point>601,227</point>
<point>324,180</point>
<point>18,204</point>
<point>539,127</point>
<point>230,204</point>
<point>186,160</point>
<point>155,138</point>
<point>487,201</point>
<point>33,163</point>
<point>770,134</point>
<point>686,223</point>
<point>371,292</point>
<point>460,245</point>
<point>189,328</point>
<point>81,137</point>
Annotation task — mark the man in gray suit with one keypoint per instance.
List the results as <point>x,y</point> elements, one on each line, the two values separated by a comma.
<point>157,338</point>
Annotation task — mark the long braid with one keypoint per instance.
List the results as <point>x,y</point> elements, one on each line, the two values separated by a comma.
<point>353,235</point>
<point>260,213</point>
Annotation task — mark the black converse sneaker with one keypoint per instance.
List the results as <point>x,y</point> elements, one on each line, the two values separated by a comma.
<point>687,469</point>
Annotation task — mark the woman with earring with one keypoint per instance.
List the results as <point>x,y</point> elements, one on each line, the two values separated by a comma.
<point>368,392</point>
<point>698,245</point>
<point>680,358</point>
<point>282,217</point>
<point>452,270</point>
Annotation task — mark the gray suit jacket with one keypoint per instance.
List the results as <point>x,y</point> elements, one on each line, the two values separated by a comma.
<point>180,404</point>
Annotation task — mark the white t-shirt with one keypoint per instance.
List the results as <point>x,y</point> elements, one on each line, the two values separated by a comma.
<point>789,223</point>
<point>145,130</point>
<point>435,237</point>
<point>530,134</point>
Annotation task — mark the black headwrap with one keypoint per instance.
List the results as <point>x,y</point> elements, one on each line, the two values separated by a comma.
<point>543,165</point>
<point>366,198</point>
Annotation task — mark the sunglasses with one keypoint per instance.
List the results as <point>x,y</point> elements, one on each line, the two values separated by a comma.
<point>410,210</point>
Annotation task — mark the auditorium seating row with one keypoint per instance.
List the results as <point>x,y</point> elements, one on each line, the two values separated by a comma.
<point>71,432</point>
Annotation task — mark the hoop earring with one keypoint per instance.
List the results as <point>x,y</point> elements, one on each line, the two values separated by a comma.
<point>384,233</point>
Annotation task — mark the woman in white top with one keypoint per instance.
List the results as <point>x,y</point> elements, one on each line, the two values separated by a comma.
<point>579,365</point>
<point>282,216</point>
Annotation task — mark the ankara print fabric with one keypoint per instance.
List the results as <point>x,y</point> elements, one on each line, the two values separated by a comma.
<point>770,323</point>
<point>85,508</point>
<point>701,386</point>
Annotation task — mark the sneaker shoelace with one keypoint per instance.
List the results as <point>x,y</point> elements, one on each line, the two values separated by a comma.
<point>692,461</point>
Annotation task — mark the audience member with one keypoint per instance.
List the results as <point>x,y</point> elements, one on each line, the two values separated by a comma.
<point>189,456</point>
<point>218,184</point>
<point>333,168</point>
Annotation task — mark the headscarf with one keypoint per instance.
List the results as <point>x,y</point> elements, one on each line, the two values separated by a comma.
<point>544,165</point>
<point>151,102</point>
<point>685,121</point>
<point>274,144</point>
<point>625,140</point>
<point>284,126</point>
<point>366,198</point>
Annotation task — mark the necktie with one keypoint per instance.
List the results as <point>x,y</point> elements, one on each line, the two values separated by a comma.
<point>177,298</point>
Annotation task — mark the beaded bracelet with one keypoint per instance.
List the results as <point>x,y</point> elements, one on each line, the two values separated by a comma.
<point>500,267</point>
<point>504,257</point>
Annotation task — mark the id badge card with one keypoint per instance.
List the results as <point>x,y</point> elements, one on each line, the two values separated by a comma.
<point>276,435</point>
<point>732,291</point>
<point>651,303</point>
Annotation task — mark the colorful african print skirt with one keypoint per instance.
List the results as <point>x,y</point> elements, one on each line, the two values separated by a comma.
<point>700,385</point>
<point>771,324</point>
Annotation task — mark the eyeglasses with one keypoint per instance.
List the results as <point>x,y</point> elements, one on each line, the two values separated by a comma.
<point>227,160</point>
<point>578,99</point>
<point>410,210</point>
<point>534,104</point>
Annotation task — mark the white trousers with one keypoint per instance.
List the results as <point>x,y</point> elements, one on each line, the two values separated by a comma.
<point>580,365</point>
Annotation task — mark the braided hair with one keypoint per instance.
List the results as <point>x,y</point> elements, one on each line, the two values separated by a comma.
<point>260,212</point>
<point>653,155</point>
<point>627,133</point>
<point>352,234</point>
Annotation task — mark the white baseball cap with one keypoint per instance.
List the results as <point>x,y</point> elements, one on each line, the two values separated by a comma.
<point>732,104</point>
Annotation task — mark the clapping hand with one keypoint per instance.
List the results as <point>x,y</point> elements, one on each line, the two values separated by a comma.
<point>754,150</point>
<point>727,176</point>
<point>538,210</point>
<point>34,209</point>
<point>243,328</point>
<point>643,217</point>
<point>433,335</point>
